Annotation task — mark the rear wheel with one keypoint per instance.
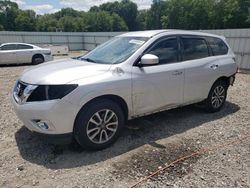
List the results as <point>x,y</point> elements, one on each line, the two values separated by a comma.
<point>99,124</point>
<point>37,59</point>
<point>217,97</point>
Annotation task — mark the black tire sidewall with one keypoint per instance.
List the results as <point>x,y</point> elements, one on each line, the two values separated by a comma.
<point>35,62</point>
<point>80,127</point>
<point>209,106</point>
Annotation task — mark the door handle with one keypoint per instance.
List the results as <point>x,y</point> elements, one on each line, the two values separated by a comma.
<point>214,66</point>
<point>176,73</point>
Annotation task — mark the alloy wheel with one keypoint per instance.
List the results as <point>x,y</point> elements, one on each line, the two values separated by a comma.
<point>102,126</point>
<point>218,96</point>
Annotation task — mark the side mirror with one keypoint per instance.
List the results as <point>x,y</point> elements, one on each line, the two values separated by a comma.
<point>149,59</point>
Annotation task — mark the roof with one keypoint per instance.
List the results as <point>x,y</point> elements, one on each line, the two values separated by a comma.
<point>19,43</point>
<point>151,33</point>
<point>148,33</point>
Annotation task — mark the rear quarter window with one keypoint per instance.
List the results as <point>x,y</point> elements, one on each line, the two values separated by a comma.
<point>218,46</point>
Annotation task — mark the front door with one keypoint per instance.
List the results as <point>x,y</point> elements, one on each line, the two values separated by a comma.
<point>159,86</point>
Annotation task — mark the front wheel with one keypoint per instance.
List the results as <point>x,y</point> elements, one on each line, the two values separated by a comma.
<point>217,97</point>
<point>99,124</point>
<point>37,60</point>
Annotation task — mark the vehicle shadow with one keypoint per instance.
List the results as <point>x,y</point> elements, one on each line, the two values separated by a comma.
<point>16,65</point>
<point>147,130</point>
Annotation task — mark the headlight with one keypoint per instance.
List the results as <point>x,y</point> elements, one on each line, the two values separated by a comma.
<point>50,92</point>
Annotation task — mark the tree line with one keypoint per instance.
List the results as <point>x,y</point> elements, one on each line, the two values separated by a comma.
<point>125,16</point>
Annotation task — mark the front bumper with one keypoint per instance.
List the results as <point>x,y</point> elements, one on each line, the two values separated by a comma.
<point>59,115</point>
<point>48,58</point>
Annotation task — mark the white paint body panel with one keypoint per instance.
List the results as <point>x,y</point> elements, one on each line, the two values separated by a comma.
<point>8,57</point>
<point>144,89</point>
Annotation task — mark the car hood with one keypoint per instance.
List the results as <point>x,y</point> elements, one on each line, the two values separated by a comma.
<point>62,72</point>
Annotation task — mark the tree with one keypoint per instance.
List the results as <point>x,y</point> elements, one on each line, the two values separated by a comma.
<point>67,24</point>
<point>188,14</point>
<point>8,13</point>
<point>126,9</point>
<point>118,24</point>
<point>46,22</point>
<point>157,10</point>
<point>141,20</point>
<point>123,15</point>
<point>26,21</point>
<point>94,9</point>
<point>66,12</point>
<point>99,21</point>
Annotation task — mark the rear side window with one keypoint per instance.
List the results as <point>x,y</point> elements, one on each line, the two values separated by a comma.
<point>166,50</point>
<point>9,47</point>
<point>218,46</point>
<point>24,47</point>
<point>194,48</point>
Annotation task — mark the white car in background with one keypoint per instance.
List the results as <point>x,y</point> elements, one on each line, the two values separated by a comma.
<point>18,53</point>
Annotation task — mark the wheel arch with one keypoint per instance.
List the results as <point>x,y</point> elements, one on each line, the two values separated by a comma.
<point>225,79</point>
<point>37,55</point>
<point>115,98</point>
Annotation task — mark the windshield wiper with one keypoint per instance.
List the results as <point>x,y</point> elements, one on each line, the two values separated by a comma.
<point>89,60</point>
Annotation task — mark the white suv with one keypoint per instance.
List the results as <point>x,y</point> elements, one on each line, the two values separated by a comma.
<point>89,98</point>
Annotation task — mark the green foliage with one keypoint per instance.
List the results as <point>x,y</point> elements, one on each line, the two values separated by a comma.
<point>8,13</point>
<point>46,22</point>
<point>99,21</point>
<point>126,9</point>
<point>124,15</point>
<point>118,24</point>
<point>1,27</point>
<point>199,14</point>
<point>25,20</point>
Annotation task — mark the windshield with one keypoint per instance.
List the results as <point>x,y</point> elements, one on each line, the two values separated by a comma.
<point>115,50</point>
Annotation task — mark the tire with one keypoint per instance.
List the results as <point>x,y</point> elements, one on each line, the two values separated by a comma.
<point>91,132</point>
<point>37,59</point>
<point>217,97</point>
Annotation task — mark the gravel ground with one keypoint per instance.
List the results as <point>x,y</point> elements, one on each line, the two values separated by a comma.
<point>145,146</point>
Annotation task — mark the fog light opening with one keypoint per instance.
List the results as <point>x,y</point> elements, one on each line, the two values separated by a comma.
<point>42,125</point>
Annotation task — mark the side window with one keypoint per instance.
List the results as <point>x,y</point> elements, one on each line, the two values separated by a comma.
<point>24,47</point>
<point>218,46</point>
<point>9,47</point>
<point>166,50</point>
<point>194,48</point>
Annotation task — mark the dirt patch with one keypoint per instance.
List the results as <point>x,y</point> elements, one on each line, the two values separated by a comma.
<point>156,156</point>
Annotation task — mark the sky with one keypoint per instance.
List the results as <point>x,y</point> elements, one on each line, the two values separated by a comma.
<point>51,6</point>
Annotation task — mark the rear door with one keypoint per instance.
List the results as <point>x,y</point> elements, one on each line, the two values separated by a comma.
<point>201,67</point>
<point>8,54</point>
